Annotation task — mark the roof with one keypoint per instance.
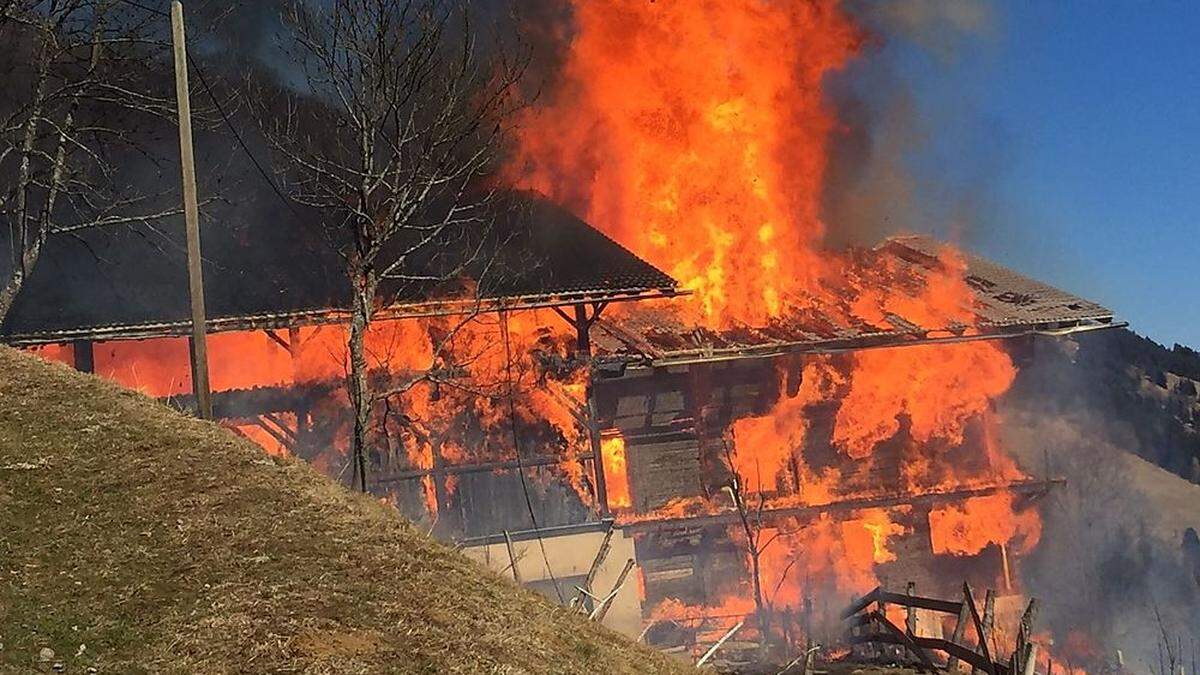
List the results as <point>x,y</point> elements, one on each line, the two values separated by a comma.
<point>1004,304</point>
<point>126,283</point>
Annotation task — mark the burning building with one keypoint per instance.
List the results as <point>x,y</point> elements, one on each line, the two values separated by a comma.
<point>630,414</point>
<point>768,422</point>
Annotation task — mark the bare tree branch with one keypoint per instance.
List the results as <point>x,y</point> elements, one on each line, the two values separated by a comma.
<point>400,115</point>
<point>75,92</point>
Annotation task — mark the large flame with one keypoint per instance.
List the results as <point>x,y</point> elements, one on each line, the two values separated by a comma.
<point>695,133</point>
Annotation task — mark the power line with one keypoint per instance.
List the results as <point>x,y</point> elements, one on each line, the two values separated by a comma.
<point>241,143</point>
<point>224,116</point>
<point>142,7</point>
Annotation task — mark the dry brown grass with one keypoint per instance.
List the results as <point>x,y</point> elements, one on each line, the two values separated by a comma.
<point>166,544</point>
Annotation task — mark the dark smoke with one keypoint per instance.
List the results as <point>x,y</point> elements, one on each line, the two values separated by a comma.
<point>1114,563</point>
<point>880,180</point>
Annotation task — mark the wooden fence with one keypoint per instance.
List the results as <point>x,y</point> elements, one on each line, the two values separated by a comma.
<point>868,623</point>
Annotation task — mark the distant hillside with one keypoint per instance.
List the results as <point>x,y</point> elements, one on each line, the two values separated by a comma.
<point>1137,394</point>
<point>133,539</point>
<point>1119,559</point>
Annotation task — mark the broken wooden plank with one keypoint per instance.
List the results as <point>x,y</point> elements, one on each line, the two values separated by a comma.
<point>980,628</point>
<point>957,636</point>
<point>602,608</point>
<point>713,650</point>
<point>597,562</point>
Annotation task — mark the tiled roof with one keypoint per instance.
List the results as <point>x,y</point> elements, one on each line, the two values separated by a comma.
<point>1004,304</point>
<point>132,282</point>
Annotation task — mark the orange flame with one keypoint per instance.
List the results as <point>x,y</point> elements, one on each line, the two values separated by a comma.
<point>695,133</point>
<point>968,528</point>
<point>617,480</point>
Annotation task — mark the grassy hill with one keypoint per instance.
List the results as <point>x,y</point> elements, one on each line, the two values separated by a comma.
<point>133,539</point>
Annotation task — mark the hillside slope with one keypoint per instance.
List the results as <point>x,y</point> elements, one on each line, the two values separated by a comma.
<point>133,539</point>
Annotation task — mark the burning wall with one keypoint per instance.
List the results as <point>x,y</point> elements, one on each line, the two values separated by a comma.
<point>690,434</point>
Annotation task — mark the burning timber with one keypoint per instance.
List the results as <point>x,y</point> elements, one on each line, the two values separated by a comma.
<point>124,287</point>
<point>630,417</point>
<point>788,424</point>
<point>1004,305</point>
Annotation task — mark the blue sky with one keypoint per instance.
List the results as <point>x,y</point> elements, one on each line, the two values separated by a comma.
<point>1082,119</point>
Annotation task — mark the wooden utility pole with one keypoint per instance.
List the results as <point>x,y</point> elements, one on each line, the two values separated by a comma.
<point>197,342</point>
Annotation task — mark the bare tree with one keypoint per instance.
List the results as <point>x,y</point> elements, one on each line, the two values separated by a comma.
<point>398,115</point>
<point>74,77</point>
<point>751,520</point>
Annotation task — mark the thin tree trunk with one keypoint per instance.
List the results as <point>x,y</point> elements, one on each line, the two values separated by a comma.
<point>27,250</point>
<point>764,615</point>
<point>360,390</point>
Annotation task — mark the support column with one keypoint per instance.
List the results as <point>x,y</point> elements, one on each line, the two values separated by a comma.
<point>583,340</point>
<point>294,346</point>
<point>597,454</point>
<point>85,356</point>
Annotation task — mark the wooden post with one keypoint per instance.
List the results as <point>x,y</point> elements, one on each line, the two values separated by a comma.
<point>85,356</point>
<point>583,339</point>
<point>438,477</point>
<point>191,211</point>
<point>1030,665</point>
<point>597,562</point>
<point>989,620</point>
<point>1024,632</point>
<point>512,557</point>
<point>910,623</point>
<point>294,346</point>
<point>807,625</point>
<point>597,453</point>
<point>1008,586</point>
<point>964,615</point>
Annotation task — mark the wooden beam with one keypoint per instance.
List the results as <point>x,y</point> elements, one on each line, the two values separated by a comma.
<point>283,429</point>
<point>482,467</point>
<point>981,628</point>
<point>601,610</point>
<point>910,618</point>
<point>956,637</point>
<point>885,501</point>
<point>713,650</point>
<point>932,604</point>
<point>278,435</point>
<point>862,603</point>
<point>962,653</point>
<point>601,480</point>
<point>278,340</point>
<point>597,562</point>
<point>907,640</point>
